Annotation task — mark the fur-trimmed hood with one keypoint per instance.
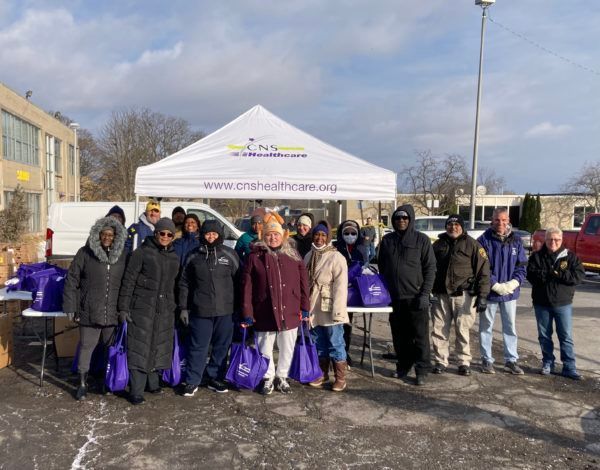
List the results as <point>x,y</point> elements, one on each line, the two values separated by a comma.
<point>111,256</point>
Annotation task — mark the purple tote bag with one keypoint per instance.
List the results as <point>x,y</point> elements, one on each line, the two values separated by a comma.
<point>47,287</point>
<point>373,291</point>
<point>21,280</point>
<point>117,373</point>
<point>174,375</point>
<point>305,363</point>
<point>247,365</point>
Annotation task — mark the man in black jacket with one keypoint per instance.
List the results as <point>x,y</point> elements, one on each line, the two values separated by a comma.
<point>407,263</point>
<point>460,289</point>
<point>554,272</point>
<point>207,299</point>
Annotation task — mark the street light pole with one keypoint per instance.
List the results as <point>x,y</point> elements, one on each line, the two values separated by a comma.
<point>485,4</point>
<point>76,126</point>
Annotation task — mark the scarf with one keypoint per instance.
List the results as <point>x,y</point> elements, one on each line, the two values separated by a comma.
<point>317,254</point>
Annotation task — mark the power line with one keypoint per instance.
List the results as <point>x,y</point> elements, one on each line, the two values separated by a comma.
<point>545,49</point>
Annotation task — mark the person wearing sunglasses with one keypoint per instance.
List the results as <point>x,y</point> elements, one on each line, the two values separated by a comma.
<point>144,227</point>
<point>407,262</point>
<point>350,244</point>
<point>147,301</point>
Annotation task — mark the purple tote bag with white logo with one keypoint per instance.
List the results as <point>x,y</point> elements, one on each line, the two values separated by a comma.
<point>305,363</point>
<point>117,373</point>
<point>247,365</point>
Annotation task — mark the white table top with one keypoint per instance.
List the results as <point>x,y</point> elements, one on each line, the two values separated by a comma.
<point>14,295</point>
<point>370,309</point>
<point>31,313</point>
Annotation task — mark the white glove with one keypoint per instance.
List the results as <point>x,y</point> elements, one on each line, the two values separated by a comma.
<point>501,288</point>
<point>511,286</point>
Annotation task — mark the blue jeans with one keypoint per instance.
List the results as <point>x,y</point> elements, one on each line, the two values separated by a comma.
<point>330,341</point>
<point>563,318</point>
<point>206,331</point>
<point>508,310</point>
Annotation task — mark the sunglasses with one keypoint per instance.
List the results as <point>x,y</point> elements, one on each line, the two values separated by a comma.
<point>402,217</point>
<point>350,233</point>
<point>166,234</point>
<point>156,211</point>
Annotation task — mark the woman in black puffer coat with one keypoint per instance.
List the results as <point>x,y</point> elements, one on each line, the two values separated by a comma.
<point>147,300</point>
<point>92,289</point>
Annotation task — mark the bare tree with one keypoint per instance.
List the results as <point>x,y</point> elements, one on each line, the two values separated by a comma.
<point>434,178</point>
<point>136,137</point>
<point>493,183</point>
<point>587,183</point>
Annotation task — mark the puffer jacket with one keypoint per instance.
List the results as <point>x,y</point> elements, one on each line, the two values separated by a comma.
<point>208,282</point>
<point>507,259</point>
<point>328,289</point>
<point>553,276</point>
<point>94,279</point>
<point>147,293</point>
<point>274,288</point>
<point>406,260</point>
<point>462,265</point>
<point>184,245</point>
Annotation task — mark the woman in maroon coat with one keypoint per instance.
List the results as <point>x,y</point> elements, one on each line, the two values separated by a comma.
<point>274,299</point>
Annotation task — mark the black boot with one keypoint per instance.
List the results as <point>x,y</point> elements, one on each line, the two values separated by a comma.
<point>82,389</point>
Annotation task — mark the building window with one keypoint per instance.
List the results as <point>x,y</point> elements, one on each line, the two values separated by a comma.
<point>57,157</point>
<point>579,214</point>
<point>34,205</point>
<point>20,140</point>
<point>71,160</point>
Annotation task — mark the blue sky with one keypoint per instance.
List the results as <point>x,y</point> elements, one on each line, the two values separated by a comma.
<point>379,79</point>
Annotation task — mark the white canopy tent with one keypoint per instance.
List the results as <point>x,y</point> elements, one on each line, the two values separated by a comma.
<point>260,156</point>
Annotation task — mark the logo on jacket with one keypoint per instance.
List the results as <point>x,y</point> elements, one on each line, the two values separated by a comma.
<point>514,251</point>
<point>223,260</point>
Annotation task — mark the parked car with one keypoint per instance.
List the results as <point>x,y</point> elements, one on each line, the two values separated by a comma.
<point>433,225</point>
<point>243,224</point>
<point>585,242</point>
<point>525,237</point>
<point>69,223</point>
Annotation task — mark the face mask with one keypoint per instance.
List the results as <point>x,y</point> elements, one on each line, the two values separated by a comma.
<point>350,239</point>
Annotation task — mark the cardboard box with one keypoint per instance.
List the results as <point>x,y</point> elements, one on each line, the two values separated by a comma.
<point>6,359</point>
<point>66,343</point>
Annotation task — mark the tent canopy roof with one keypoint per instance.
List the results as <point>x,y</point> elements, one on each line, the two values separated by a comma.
<point>260,156</point>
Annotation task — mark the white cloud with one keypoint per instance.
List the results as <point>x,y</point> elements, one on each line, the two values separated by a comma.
<point>547,129</point>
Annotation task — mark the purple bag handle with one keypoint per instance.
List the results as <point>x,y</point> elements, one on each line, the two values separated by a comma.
<point>305,333</point>
<point>121,336</point>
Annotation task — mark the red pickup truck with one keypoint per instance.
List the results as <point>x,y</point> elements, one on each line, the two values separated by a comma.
<point>585,242</point>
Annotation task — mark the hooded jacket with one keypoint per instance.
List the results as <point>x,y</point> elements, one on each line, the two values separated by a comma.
<point>208,283</point>
<point>184,245</point>
<point>147,292</point>
<point>358,252</point>
<point>94,279</point>
<point>553,276</point>
<point>143,228</point>
<point>274,288</point>
<point>406,260</point>
<point>507,259</point>
<point>462,265</point>
<point>303,243</point>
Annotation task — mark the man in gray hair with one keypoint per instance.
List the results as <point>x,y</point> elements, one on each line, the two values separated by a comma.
<point>553,272</point>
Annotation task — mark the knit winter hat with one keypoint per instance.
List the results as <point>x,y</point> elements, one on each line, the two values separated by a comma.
<point>321,228</point>
<point>256,219</point>
<point>165,224</point>
<point>116,210</point>
<point>272,224</point>
<point>178,210</point>
<point>349,224</point>
<point>456,219</point>
<point>305,220</point>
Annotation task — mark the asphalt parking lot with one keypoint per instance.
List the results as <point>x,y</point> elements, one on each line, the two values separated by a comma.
<point>481,421</point>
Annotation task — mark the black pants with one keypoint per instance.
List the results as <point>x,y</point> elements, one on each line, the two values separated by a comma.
<point>89,336</point>
<point>410,334</point>
<point>138,380</point>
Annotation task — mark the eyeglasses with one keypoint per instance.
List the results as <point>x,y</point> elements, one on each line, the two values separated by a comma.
<point>555,240</point>
<point>166,234</point>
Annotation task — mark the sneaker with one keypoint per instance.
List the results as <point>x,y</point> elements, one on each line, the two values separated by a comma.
<point>217,386</point>
<point>283,386</point>
<point>572,374</point>
<point>547,369</point>
<point>513,368</point>
<point>439,369</point>
<point>487,367</point>
<point>464,370</point>
<point>267,387</point>
<point>190,390</point>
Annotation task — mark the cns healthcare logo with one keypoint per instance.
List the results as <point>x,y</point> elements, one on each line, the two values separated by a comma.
<point>261,148</point>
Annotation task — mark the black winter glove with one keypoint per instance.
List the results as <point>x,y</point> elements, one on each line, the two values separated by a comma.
<point>184,317</point>
<point>422,302</point>
<point>124,317</point>
<point>481,304</point>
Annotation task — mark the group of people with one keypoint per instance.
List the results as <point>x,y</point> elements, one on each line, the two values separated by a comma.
<point>457,278</point>
<point>164,272</point>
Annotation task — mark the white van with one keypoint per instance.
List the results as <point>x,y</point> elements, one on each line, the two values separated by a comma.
<point>69,223</point>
